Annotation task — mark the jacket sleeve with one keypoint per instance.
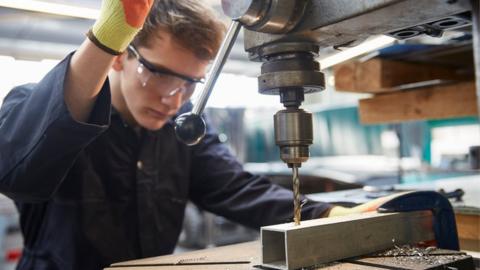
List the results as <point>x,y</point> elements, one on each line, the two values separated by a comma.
<point>39,139</point>
<point>220,185</point>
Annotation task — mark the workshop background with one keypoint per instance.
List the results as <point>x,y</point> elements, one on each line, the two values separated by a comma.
<point>353,150</point>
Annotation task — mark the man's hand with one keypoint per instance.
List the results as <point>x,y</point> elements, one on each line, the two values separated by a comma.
<point>119,22</point>
<point>372,205</point>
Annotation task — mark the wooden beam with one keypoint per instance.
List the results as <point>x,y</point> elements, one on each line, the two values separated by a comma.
<point>318,241</point>
<point>468,227</point>
<point>381,75</point>
<point>438,102</point>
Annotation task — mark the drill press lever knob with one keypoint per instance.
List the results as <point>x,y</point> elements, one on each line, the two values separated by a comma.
<point>190,128</point>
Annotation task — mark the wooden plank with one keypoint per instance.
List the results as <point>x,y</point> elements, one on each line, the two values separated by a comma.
<point>446,101</point>
<point>287,246</point>
<point>468,227</point>
<point>381,75</point>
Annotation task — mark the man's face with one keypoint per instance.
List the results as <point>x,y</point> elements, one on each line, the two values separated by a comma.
<point>153,91</point>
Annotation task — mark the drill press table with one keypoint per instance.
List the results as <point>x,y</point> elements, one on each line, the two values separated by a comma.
<point>246,256</point>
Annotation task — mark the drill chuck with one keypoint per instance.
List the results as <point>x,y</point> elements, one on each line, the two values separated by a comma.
<point>293,134</point>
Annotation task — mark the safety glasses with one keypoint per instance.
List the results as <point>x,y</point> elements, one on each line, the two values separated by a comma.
<point>149,74</point>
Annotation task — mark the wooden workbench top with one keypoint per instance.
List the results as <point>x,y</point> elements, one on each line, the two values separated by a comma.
<point>245,252</point>
<point>247,255</point>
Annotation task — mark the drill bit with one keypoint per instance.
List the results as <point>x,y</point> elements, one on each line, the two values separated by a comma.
<point>297,208</point>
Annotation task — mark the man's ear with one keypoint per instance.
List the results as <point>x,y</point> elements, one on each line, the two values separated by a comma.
<point>119,62</point>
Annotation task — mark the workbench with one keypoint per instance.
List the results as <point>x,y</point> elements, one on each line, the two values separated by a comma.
<point>246,256</point>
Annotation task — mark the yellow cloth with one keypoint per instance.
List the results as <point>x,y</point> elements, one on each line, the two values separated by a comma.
<point>119,22</point>
<point>362,208</point>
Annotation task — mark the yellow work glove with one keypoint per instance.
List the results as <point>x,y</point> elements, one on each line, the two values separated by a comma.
<point>362,208</point>
<point>119,22</point>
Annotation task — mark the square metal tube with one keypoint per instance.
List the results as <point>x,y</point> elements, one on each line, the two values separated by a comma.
<point>319,241</point>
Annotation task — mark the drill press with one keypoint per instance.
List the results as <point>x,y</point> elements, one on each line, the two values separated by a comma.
<point>287,35</point>
<point>289,70</point>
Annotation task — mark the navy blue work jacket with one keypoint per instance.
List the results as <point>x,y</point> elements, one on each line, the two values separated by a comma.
<point>91,194</point>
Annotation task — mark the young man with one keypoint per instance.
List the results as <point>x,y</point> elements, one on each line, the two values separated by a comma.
<point>93,163</point>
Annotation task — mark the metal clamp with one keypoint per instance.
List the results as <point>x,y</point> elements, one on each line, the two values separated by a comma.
<point>444,218</point>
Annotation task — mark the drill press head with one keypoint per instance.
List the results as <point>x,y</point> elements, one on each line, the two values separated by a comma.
<point>268,16</point>
<point>290,71</point>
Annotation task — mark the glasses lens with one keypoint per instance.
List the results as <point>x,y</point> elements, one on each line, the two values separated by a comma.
<point>167,81</point>
<point>143,74</point>
<point>163,81</point>
<point>176,91</point>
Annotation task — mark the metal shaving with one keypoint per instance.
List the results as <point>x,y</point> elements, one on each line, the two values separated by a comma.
<point>407,250</point>
<point>429,255</point>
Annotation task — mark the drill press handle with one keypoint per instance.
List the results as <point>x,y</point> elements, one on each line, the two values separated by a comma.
<point>190,128</point>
